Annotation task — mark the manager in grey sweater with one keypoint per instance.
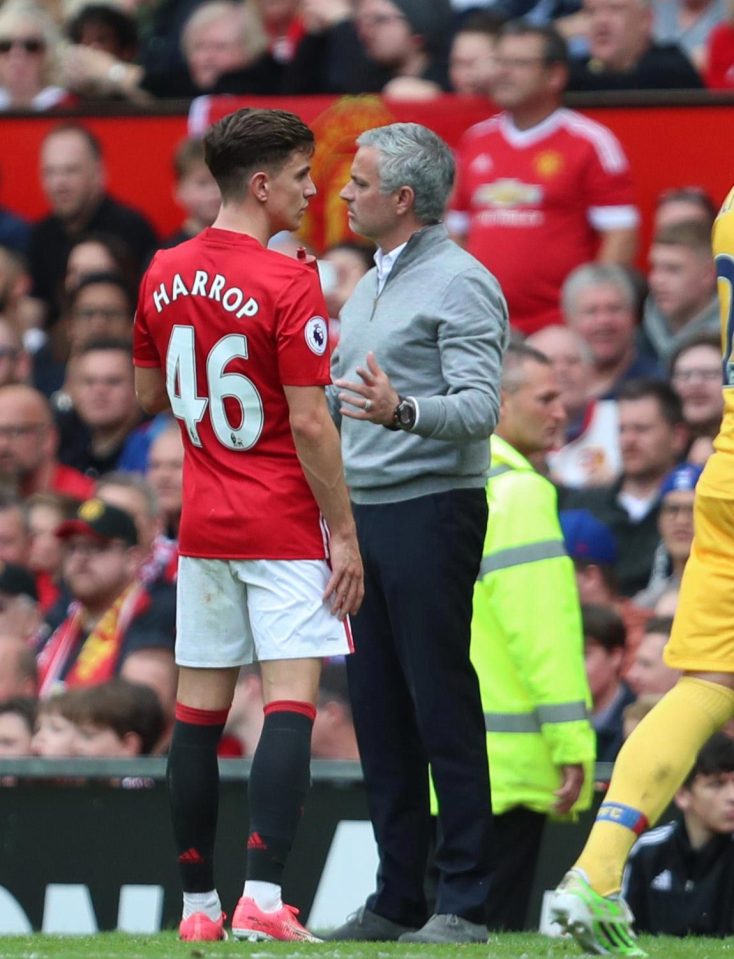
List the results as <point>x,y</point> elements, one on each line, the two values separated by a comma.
<point>417,379</point>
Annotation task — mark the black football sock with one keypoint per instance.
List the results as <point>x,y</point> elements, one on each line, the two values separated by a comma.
<point>193,792</point>
<point>279,781</point>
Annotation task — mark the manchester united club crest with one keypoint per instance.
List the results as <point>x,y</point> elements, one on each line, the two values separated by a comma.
<point>336,130</point>
<point>548,164</point>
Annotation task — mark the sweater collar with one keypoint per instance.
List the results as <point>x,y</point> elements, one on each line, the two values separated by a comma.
<point>418,243</point>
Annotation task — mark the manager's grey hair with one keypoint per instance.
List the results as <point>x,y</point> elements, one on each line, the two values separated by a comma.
<point>412,155</point>
<point>596,274</point>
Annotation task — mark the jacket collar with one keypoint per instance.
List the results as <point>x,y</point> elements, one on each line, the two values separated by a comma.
<point>503,454</point>
<point>419,242</point>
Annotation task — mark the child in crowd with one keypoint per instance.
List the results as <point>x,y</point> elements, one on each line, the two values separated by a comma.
<point>196,191</point>
<point>55,730</point>
<point>115,719</point>
<point>680,877</point>
<point>17,719</point>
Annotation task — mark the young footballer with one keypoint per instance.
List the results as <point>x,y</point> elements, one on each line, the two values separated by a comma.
<point>234,338</point>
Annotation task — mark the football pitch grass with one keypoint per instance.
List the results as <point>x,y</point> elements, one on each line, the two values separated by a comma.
<point>164,945</point>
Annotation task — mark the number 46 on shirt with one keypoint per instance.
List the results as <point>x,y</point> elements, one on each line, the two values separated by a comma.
<point>189,406</point>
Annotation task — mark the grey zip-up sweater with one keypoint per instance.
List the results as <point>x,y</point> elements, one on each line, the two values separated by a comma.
<point>438,329</point>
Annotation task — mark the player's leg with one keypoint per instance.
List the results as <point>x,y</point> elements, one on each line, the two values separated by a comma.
<point>209,647</point>
<point>655,760</point>
<point>203,700</point>
<point>293,630</point>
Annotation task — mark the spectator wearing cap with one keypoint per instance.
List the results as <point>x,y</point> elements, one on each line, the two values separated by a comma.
<point>409,40</point>
<point>20,613</point>
<point>675,523</point>
<point>652,438</point>
<point>593,549</point>
<point>604,646</point>
<point>112,613</point>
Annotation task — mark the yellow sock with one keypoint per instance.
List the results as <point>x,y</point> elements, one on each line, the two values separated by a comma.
<point>650,767</point>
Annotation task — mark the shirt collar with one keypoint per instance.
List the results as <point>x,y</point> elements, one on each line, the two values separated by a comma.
<point>385,262</point>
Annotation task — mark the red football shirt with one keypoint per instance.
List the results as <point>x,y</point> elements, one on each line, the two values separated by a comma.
<point>532,203</point>
<point>229,323</point>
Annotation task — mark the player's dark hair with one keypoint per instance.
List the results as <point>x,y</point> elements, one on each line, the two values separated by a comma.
<point>555,49</point>
<point>250,139</point>
<point>91,140</point>
<point>663,393</point>
<point>715,756</point>
<point>603,625</point>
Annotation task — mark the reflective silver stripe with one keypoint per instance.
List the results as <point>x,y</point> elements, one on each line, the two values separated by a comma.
<point>531,722</point>
<point>562,712</point>
<point>498,471</point>
<point>511,723</point>
<point>517,555</point>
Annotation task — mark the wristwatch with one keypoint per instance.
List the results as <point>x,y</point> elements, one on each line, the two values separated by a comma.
<point>405,413</point>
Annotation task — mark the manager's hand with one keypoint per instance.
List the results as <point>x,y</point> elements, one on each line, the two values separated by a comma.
<point>374,399</point>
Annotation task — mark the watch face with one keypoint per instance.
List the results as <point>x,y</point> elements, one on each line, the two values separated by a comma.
<point>406,414</point>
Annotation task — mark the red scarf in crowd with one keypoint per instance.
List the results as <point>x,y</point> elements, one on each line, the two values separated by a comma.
<point>99,652</point>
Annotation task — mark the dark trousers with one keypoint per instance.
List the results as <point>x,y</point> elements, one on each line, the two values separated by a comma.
<point>517,837</point>
<point>415,699</point>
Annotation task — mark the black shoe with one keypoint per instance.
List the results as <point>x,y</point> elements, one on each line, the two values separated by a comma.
<point>446,928</point>
<point>368,926</point>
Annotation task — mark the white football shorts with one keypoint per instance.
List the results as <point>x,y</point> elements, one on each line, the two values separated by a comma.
<point>230,612</point>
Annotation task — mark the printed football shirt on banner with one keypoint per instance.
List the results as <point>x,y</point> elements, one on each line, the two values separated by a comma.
<point>231,323</point>
<point>532,202</point>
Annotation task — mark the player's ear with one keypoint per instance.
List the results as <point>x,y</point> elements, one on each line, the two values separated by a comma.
<point>260,185</point>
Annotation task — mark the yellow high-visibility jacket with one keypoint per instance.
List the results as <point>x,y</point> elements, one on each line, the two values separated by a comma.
<point>527,642</point>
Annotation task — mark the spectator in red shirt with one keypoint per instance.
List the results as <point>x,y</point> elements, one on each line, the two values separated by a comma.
<point>538,176</point>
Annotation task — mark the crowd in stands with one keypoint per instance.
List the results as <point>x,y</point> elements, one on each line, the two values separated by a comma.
<point>63,53</point>
<point>91,488</point>
<point>637,357</point>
